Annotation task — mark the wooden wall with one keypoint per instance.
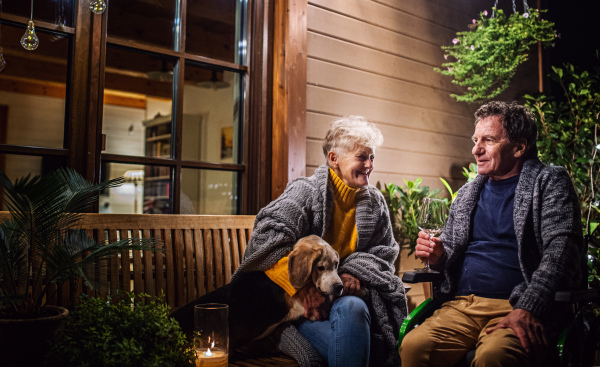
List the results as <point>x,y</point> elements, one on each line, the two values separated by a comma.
<point>375,58</point>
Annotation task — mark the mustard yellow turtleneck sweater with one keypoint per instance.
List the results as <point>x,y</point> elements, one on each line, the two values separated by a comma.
<point>341,233</point>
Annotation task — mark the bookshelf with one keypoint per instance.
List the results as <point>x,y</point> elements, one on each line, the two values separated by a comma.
<point>157,181</point>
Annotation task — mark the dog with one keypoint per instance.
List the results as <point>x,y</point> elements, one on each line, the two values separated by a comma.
<point>257,305</point>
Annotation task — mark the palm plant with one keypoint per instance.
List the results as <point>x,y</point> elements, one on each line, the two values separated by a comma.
<point>40,244</point>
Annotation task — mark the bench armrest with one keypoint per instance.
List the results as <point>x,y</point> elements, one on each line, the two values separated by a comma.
<point>419,276</point>
<point>582,295</point>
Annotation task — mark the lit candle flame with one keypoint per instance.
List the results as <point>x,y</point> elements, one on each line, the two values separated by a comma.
<point>208,353</point>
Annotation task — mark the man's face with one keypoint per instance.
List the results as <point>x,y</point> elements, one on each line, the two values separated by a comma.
<point>496,156</point>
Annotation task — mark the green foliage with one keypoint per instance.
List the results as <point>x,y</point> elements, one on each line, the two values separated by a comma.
<point>485,58</point>
<point>40,245</point>
<point>470,173</point>
<point>568,129</point>
<point>403,204</point>
<point>121,334</point>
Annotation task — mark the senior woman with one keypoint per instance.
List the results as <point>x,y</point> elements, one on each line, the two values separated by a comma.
<point>338,204</point>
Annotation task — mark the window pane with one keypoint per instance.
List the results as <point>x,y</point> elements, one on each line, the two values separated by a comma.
<point>147,189</point>
<point>212,29</point>
<point>147,21</point>
<point>51,11</point>
<point>138,91</point>
<point>211,116</point>
<point>209,192</point>
<point>32,90</point>
<point>19,166</point>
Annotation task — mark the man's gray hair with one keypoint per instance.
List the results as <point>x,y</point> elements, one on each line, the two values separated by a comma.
<point>517,120</point>
<point>350,133</point>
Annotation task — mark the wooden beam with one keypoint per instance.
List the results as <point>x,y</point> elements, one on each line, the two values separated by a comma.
<point>289,93</point>
<point>259,108</point>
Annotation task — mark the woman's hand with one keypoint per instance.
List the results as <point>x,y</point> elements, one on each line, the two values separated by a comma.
<point>351,284</point>
<point>316,305</point>
<point>429,249</point>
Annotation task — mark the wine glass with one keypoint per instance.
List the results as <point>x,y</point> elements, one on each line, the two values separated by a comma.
<point>431,220</point>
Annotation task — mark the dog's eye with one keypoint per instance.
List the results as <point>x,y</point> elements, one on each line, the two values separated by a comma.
<point>321,268</point>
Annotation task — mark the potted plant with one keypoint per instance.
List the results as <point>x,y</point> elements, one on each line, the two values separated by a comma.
<point>40,246</point>
<point>485,58</point>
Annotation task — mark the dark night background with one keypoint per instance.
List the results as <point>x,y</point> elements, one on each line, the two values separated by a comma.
<point>578,23</point>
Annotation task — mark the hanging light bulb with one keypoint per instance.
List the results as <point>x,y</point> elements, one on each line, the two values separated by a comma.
<point>30,41</point>
<point>97,6</point>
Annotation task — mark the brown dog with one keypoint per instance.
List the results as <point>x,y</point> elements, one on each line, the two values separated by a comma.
<point>257,305</point>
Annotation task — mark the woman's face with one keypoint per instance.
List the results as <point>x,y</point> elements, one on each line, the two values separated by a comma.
<point>354,168</point>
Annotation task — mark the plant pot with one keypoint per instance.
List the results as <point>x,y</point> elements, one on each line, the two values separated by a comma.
<point>25,342</point>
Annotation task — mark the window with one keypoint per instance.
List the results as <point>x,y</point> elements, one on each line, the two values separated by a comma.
<point>156,91</point>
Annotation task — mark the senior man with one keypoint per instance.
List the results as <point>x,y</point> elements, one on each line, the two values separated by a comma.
<point>512,239</point>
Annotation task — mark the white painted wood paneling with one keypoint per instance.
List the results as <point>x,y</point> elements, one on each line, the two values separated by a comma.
<point>376,58</point>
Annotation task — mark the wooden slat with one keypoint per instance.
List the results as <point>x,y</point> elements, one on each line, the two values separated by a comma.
<point>114,264</point>
<point>138,280</point>
<point>209,261</point>
<point>149,269</point>
<point>178,252</point>
<point>243,236</point>
<point>159,258</point>
<point>235,248</point>
<point>226,246</point>
<point>218,254</point>
<point>100,237</point>
<point>189,265</point>
<point>125,264</point>
<point>170,265</point>
<point>200,269</point>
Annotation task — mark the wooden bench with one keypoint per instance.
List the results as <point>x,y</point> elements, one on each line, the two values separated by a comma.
<point>201,254</point>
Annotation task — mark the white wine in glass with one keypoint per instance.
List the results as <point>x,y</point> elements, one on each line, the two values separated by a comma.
<point>431,219</point>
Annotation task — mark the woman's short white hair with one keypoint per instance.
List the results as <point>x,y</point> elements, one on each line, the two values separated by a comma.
<point>349,134</point>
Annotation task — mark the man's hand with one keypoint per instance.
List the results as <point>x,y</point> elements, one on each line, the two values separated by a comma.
<point>316,305</point>
<point>528,329</point>
<point>429,249</point>
<point>351,284</point>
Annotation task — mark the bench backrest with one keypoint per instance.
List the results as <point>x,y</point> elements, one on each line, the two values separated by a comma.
<point>201,254</point>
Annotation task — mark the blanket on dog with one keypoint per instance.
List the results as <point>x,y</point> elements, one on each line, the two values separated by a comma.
<point>304,209</point>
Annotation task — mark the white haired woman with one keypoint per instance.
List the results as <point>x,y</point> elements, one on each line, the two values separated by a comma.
<point>338,204</point>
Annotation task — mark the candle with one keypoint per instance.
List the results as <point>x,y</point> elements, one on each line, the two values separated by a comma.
<point>208,358</point>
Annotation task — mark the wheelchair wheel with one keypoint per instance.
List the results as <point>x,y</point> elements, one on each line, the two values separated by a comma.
<point>592,345</point>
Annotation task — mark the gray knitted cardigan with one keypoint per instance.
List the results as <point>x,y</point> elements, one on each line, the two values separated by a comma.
<point>547,221</point>
<point>305,208</point>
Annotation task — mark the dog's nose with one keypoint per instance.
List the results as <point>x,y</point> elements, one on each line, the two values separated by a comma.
<point>338,289</point>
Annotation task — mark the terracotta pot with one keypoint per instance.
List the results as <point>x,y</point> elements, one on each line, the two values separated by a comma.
<point>25,342</point>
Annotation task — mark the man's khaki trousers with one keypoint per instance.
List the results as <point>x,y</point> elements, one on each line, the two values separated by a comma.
<point>458,327</point>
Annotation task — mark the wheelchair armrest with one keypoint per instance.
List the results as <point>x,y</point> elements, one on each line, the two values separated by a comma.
<point>582,295</point>
<point>419,276</point>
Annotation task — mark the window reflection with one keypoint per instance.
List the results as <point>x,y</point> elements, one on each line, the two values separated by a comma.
<point>147,21</point>
<point>32,90</point>
<point>209,192</point>
<point>211,28</point>
<point>211,112</point>
<point>51,11</point>
<point>19,166</point>
<point>147,189</point>
<point>138,90</point>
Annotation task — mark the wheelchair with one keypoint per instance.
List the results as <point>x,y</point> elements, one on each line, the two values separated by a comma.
<point>578,344</point>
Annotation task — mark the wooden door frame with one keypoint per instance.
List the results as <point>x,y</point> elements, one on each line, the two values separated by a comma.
<point>290,38</point>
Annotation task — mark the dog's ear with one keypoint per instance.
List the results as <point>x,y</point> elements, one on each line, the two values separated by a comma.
<point>301,260</point>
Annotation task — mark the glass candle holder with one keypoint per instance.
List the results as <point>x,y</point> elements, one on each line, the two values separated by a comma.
<point>211,334</point>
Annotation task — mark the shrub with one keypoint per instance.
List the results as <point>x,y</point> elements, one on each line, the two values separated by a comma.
<point>125,331</point>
